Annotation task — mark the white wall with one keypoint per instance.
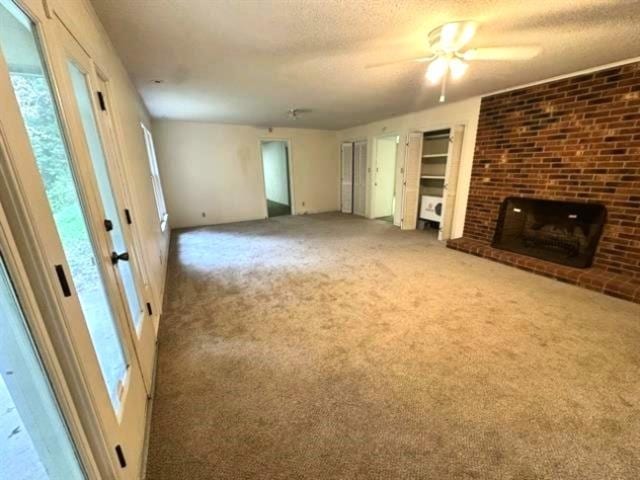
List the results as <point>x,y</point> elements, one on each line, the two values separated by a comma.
<point>276,180</point>
<point>215,169</point>
<point>465,112</point>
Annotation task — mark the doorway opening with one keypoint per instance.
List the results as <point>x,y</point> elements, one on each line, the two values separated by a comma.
<point>277,182</point>
<point>384,196</point>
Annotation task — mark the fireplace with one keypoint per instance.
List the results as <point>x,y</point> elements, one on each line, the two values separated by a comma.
<point>562,232</point>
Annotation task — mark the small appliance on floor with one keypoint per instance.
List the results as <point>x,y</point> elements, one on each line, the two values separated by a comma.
<point>431,208</point>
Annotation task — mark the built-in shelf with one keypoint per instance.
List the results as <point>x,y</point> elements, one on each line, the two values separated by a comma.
<point>433,177</point>
<point>436,155</point>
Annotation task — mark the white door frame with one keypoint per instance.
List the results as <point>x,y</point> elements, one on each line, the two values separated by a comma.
<point>262,140</point>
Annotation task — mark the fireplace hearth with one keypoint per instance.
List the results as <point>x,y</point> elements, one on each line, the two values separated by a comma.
<point>566,233</point>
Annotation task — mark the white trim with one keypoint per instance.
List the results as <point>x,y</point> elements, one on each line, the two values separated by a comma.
<point>563,76</point>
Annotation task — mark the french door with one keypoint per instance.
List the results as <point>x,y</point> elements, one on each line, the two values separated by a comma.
<point>59,188</point>
<point>87,94</point>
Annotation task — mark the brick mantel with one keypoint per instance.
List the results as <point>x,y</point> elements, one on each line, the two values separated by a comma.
<point>575,139</point>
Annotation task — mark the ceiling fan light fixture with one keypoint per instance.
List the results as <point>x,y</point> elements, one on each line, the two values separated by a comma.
<point>458,68</point>
<point>437,69</point>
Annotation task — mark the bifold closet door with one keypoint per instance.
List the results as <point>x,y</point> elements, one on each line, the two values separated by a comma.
<point>451,182</point>
<point>411,182</point>
<point>360,178</point>
<point>346,183</point>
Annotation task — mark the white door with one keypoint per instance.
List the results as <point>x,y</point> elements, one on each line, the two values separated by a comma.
<point>386,151</point>
<point>399,189</point>
<point>451,182</point>
<point>360,178</point>
<point>411,182</point>
<point>346,190</point>
<point>89,93</point>
<point>57,187</point>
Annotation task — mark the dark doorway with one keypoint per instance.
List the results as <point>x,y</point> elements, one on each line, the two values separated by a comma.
<point>277,184</point>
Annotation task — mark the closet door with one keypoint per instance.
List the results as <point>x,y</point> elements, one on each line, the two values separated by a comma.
<point>346,190</point>
<point>58,208</point>
<point>399,189</point>
<point>360,178</point>
<point>411,182</point>
<point>451,182</point>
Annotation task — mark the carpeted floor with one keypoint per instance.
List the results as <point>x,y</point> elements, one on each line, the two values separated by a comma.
<point>334,347</point>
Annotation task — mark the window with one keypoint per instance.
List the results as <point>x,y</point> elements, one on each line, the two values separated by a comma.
<point>155,178</point>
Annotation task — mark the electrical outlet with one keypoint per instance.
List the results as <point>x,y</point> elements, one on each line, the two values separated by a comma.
<point>204,214</point>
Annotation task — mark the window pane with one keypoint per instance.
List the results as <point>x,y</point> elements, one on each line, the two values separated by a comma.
<point>30,83</point>
<point>34,442</point>
<point>155,175</point>
<point>83,98</point>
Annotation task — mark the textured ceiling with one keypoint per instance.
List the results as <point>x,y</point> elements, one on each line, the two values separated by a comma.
<point>249,61</point>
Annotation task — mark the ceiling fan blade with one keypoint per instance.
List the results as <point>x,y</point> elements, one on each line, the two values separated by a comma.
<point>502,53</point>
<point>404,60</point>
<point>451,37</point>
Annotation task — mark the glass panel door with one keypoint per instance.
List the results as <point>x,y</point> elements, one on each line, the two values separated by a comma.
<point>82,79</point>
<point>34,441</point>
<point>54,176</point>
<point>145,326</point>
<point>121,254</point>
<point>32,91</point>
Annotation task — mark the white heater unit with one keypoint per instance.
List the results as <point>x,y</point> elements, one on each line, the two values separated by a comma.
<point>431,208</point>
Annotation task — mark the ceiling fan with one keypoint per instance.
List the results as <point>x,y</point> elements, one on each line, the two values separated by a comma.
<point>447,55</point>
<point>294,113</point>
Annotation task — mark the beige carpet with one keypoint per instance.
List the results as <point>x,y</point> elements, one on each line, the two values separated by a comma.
<point>333,347</point>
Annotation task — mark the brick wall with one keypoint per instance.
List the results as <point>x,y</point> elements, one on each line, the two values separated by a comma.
<point>575,139</point>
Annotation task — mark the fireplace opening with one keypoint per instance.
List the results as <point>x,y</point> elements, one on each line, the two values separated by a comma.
<point>562,232</point>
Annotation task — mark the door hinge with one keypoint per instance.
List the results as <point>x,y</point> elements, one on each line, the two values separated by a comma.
<point>62,278</point>
<point>127,214</point>
<point>120,454</point>
<point>149,309</point>
<point>103,105</point>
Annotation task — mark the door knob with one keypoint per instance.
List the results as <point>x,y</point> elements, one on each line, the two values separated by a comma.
<point>116,257</point>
